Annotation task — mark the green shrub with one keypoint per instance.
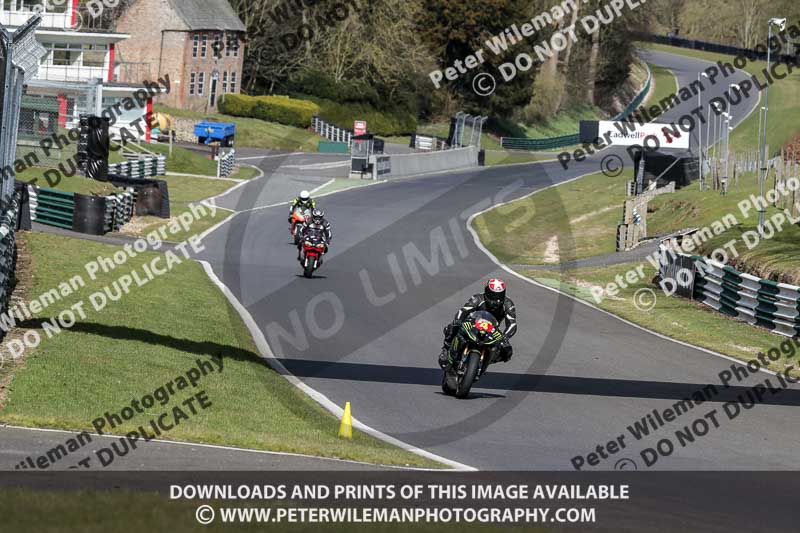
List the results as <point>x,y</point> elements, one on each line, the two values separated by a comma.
<point>378,122</point>
<point>545,100</point>
<point>280,109</point>
<point>238,105</point>
<point>322,85</point>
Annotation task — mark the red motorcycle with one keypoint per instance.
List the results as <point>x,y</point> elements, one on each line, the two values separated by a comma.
<point>298,218</point>
<point>314,248</point>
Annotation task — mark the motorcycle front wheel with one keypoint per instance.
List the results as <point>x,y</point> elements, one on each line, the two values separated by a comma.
<point>308,269</point>
<point>471,371</point>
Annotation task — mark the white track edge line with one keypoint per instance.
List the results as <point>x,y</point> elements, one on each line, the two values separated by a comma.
<point>222,447</point>
<point>324,401</point>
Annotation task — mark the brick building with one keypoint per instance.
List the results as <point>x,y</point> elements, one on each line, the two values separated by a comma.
<point>198,43</point>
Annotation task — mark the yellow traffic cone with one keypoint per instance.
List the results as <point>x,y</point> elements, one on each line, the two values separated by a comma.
<point>346,427</point>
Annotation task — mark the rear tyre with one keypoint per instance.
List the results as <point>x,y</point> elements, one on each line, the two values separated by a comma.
<point>466,381</point>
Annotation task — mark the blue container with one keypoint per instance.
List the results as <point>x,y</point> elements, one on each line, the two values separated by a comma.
<point>208,132</point>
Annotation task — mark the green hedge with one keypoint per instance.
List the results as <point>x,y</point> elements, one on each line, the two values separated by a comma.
<point>298,112</point>
<point>280,109</point>
<point>386,123</point>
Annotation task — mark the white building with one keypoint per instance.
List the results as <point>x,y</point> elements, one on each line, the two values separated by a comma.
<point>76,75</point>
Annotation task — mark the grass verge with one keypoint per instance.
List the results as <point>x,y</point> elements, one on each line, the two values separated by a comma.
<point>665,84</point>
<point>256,133</point>
<point>149,337</point>
<point>574,220</point>
<point>676,317</point>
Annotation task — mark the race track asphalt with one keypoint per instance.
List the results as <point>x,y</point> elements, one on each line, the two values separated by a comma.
<point>368,328</point>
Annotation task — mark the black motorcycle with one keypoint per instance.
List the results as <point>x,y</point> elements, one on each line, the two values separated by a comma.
<point>471,353</point>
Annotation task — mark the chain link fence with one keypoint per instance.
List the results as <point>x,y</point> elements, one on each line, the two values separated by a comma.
<point>48,118</point>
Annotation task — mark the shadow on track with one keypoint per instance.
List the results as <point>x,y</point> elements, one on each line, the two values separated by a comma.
<point>661,390</point>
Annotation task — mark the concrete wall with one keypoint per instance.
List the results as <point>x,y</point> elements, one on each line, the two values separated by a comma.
<point>423,163</point>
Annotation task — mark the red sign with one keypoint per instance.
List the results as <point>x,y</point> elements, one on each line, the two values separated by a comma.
<point>360,127</point>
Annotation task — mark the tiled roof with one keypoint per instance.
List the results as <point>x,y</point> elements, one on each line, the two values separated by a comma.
<point>208,15</point>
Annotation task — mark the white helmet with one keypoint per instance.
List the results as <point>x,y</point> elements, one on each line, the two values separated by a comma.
<point>305,195</point>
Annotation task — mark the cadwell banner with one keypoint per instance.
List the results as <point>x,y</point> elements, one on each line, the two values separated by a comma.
<point>648,135</point>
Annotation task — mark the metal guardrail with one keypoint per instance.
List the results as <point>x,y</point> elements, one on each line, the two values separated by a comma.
<point>550,143</point>
<point>757,301</point>
<point>144,167</point>
<point>52,207</point>
<point>706,46</point>
<point>331,132</point>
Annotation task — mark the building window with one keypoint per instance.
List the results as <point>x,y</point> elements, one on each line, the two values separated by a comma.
<point>94,55</point>
<point>201,81</point>
<point>233,82</point>
<point>65,54</point>
<point>195,45</point>
<point>232,45</point>
<point>225,81</point>
<point>204,46</point>
<point>217,46</point>
<point>192,79</point>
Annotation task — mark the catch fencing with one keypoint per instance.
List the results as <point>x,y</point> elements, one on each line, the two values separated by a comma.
<point>46,121</point>
<point>20,54</point>
<point>760,302</point>
<point>552,143</point>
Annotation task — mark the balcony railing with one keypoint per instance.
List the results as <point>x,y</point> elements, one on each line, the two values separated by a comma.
<point>62,21</point>
<point>71,73</point>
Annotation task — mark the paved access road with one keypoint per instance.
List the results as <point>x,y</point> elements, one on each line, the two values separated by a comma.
<point>368,329</point>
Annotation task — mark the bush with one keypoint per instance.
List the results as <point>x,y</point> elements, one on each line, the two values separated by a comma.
<point>322,85</point>
<point>545,101</point>
<point>378,122</point>
<point>280,109</point>
<point>238,105</point>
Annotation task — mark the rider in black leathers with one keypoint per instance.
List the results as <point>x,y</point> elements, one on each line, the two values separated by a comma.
<point>494,301</point>
<point>316,222</point>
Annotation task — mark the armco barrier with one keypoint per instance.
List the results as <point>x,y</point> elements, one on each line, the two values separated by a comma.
<point>92,215</point>
<point>52,207</point>
<point>395,166</point>
<point>714,47</point>
<point>760,302</point>
<point>551,143</point>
